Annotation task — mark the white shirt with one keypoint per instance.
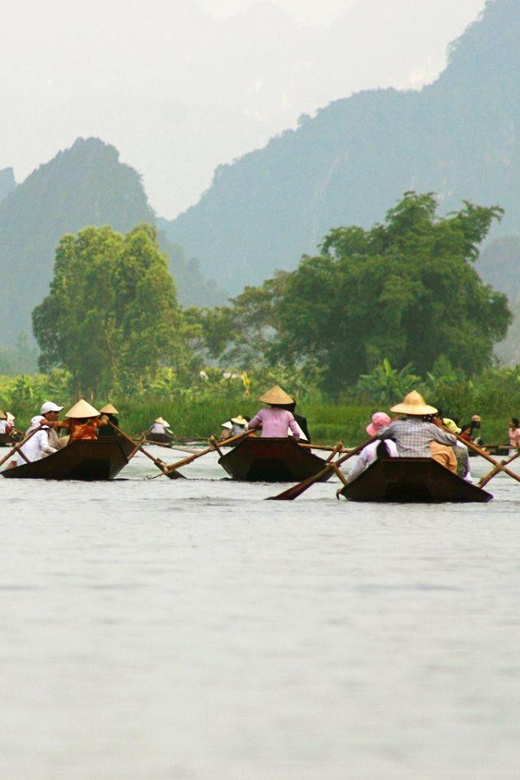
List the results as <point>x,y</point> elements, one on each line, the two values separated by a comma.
<point>37,447</point>
<point>4,425</point>
<point>368,456</point>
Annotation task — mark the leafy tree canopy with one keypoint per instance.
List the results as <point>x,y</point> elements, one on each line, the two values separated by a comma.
<point>111,317</point>
<point>405,291</point>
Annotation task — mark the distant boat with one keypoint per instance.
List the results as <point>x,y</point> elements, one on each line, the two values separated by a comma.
<point>86,460</point>
<point>7,439</point>
<point>271,460</point>
<point>412,480</point>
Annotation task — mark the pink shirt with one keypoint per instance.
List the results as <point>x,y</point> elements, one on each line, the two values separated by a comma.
<point>275,422</point>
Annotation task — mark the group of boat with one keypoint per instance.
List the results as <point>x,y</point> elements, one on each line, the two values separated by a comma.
<point>268,460</point>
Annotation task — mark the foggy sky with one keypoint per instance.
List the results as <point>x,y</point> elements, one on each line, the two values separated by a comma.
<point>182,86</point>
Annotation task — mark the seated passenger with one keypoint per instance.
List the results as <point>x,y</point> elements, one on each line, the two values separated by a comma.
<point>413,435</point>
<point>38,446</point>
<point>378,449</point>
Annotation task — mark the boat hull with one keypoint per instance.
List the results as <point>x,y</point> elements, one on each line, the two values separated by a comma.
<point>412,480</point>
<point>83,460</point>
<point>6,440</point>
<point>270,460</point>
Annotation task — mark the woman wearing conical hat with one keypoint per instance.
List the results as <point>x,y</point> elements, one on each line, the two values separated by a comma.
<point>82,421</point>
<point>106,431</point>
<point>275,420</point>
<point>413,434</point>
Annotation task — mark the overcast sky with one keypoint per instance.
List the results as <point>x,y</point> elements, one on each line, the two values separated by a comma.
<point>182,86</point>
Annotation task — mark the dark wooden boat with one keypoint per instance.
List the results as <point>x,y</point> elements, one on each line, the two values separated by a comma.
<point>412,480</point>
<point>159,438</point>
<point>6,440</point>
<point>84,460</point>
<point>270,460</point>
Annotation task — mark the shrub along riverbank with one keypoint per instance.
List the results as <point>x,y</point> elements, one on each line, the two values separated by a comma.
<point>193,419</point>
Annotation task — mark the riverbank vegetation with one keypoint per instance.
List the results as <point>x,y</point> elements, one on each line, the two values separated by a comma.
<point>379,312</point>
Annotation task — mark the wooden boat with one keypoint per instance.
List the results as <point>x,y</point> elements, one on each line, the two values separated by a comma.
<point>159,438</point>
<point>85,460</point>
<point>412,480</point>
<point>270,460</point>
<point>6,440</point>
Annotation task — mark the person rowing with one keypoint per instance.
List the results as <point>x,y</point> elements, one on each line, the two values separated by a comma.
<point>276,421</point>
<point>414,434</point>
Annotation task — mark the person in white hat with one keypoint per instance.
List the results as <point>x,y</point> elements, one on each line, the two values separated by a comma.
<point>413,435</point>
<point>50,411</point>
<point>160,431</point>
<point>276,421</point>
<point>39,445</point>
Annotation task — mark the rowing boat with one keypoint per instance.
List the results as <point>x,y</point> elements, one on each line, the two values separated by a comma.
<point>159,438</point>
<point>7,439</point>
<point>85,460</point>
<point>270,460</point>
<point>412,480</point>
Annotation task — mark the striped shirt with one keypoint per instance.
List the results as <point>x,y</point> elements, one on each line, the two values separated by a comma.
<point>413,436</point>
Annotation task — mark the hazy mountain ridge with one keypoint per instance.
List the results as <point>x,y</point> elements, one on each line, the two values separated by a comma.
<point>84,185</point>
<point>457,137</point>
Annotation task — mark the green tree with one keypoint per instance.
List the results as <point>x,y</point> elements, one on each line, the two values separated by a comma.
<point>111,317</point>
<point>406,290</point>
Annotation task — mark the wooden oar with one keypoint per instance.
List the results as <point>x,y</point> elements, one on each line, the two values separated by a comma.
<point>324,447</point>
<point>484,454</point>
<point>293,492</point>
<point>213,446</point>
<point>497,469</point>
<point>16,447</point>
<point>159,463</point>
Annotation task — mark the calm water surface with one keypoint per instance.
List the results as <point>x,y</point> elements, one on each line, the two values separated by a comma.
<point>188,630</point>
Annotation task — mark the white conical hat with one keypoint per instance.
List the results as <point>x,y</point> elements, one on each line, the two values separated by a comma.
<point>161,421</point>
<point>108,409</point>
<point>276,397</point>
<point>82,409</point>
<point>413,404</point>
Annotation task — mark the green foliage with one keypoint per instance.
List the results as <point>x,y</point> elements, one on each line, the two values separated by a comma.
<point>111,318</point>
<point>384,384</point>
<point>404,290</point>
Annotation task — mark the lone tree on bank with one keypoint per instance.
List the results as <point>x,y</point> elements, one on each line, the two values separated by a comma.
<point>111,317</point>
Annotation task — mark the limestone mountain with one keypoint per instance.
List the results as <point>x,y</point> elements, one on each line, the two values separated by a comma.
<point>458,137</point>
<point>84,185</point>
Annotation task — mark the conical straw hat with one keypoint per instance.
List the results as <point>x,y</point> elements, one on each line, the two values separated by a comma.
<point>161,421</point>
<point>3,415</point>
<point>82,409</point>
<point>108,409</point>
<point>413,404</point>
<point>239,420</point>
<point>276,397</point>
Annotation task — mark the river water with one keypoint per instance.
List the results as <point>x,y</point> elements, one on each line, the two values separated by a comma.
<point>189,630</point>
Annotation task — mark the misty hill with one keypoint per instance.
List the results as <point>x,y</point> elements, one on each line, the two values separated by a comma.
<point>349,164</point>
<point>84,185</point>
<point>7,182</point>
